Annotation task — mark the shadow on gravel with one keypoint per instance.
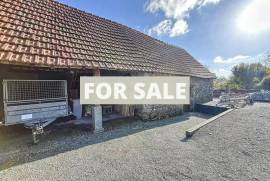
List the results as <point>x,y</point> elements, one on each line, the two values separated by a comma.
<point>16,147</point>
<point>185,139</point>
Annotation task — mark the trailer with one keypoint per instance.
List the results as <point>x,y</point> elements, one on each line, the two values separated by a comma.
<point>34,103</point>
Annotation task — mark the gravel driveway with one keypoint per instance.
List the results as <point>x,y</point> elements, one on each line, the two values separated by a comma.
<point>234,147</point>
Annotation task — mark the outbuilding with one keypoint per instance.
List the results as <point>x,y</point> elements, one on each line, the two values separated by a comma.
<point>47,40</point>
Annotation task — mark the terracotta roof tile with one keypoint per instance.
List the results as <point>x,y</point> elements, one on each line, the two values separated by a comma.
<point>47,33</point>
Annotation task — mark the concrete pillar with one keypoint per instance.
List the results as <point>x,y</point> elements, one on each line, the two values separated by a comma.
<point>97,118</point>
<point>97,112</point>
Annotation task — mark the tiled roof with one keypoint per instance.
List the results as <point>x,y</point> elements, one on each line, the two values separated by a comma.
<point>49,34</point>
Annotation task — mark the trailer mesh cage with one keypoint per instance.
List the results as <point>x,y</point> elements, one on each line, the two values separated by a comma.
<point>20,91</point>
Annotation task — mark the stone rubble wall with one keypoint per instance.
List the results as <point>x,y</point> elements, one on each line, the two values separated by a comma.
<point>155,112</point>
<point>263,95</point>
<point>201,92</point>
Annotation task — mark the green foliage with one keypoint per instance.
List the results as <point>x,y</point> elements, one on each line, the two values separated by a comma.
<point>256,80</point>
<point>265,83</point>
<point>232,85</point>
<point>220,83</point>
<point>225,84</point>
<point>267,71</point>
<point>248,76</point>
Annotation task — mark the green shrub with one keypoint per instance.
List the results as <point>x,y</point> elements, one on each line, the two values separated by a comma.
<point>265,83</point>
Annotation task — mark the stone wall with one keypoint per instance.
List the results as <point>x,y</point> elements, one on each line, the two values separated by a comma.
<point>155,112</point>
<point>263,95</point>
<point>201,90</point>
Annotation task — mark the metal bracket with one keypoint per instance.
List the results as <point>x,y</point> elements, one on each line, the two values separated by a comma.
<point>37,130</point>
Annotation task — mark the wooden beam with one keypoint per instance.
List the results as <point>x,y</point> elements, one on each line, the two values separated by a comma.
<point>96,72</point>
<point>192,130</point>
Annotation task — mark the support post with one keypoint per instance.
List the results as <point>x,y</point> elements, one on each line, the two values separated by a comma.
<point>97,118</point>
<point>97,112</point>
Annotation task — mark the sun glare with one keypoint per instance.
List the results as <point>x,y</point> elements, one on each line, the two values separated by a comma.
<point>255,18</point>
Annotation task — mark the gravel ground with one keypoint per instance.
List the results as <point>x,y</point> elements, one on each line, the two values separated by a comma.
<point>234,147</point>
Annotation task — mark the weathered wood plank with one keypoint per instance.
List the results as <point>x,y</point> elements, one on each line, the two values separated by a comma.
<point>192,130</point>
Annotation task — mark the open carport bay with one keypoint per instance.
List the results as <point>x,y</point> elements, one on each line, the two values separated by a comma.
<point>234,147</point>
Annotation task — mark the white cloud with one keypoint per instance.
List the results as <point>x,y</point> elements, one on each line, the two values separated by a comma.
<point>210,1</point>
<point>180,27</point>
<point>164,27</point>
<point>222,66</point>
<point>234,60</point>
<point>242,59</point>
<point>222,72</point>
<point>177,12</point>
<point>167,27</point>
<point>255,17</point>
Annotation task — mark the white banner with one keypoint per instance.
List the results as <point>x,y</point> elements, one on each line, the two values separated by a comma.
<point>135,90</point>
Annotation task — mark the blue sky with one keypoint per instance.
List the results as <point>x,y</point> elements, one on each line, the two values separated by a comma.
<point>218,33</point>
